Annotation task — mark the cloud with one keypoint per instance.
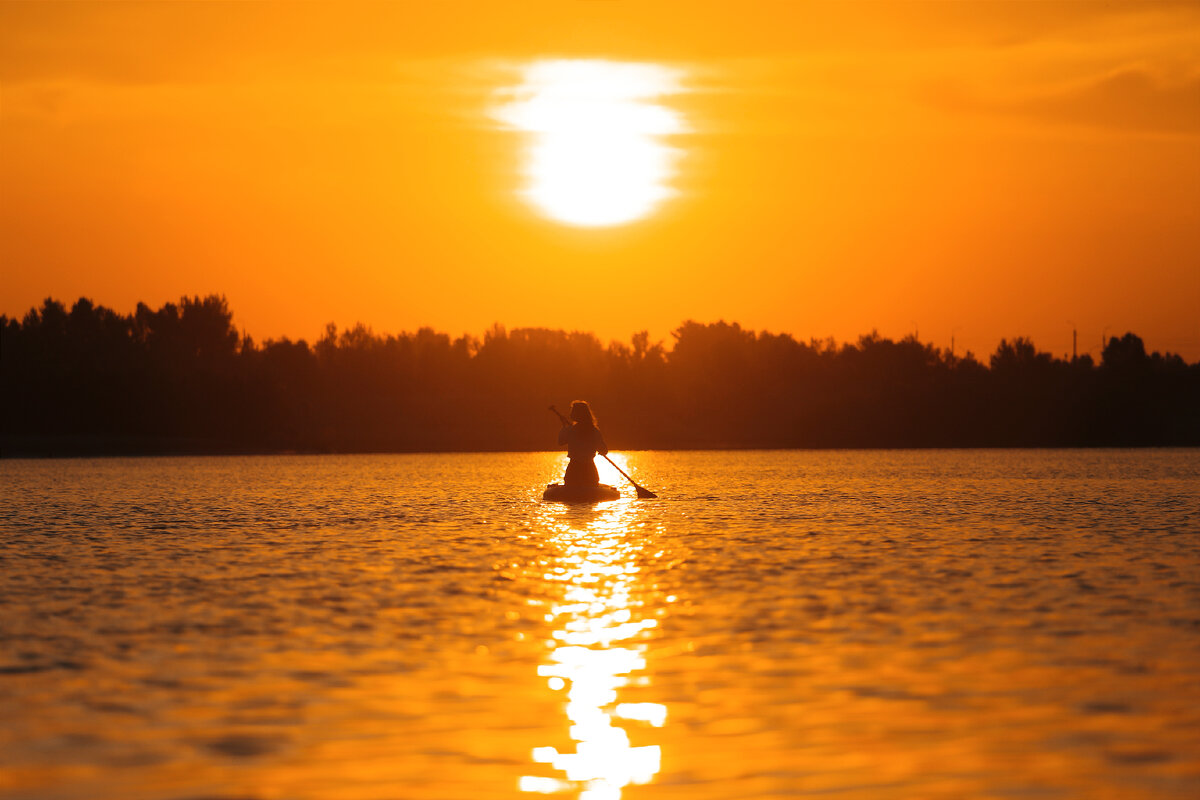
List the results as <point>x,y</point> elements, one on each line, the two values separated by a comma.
<point>1130,99</point>
<point>1126,100</point>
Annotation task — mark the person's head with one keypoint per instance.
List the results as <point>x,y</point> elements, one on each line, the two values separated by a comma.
<point>581,412</point>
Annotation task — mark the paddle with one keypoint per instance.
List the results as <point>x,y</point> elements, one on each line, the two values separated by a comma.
<point>642,491</point>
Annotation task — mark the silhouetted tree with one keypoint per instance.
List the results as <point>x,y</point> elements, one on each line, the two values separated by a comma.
<point>181,378</point>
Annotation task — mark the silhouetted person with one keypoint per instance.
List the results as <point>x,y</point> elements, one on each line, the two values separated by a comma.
<point>583,440</point>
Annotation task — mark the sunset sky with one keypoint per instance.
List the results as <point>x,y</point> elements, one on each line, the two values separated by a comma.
<point>969,169</point>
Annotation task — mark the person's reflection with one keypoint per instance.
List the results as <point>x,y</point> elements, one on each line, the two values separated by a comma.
<point>596,626</point>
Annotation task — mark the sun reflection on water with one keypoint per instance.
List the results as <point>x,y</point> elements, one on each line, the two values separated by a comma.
<point>596,647</point>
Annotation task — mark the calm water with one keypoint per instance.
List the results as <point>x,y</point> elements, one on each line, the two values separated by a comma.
<point>848,624</point>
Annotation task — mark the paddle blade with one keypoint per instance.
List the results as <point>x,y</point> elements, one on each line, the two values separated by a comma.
<point>644,493</point>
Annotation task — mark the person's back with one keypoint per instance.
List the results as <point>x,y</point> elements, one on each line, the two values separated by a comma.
<point>582,441</point>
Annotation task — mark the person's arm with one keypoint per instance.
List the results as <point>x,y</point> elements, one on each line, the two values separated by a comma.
<point>601,448</point>
<point>563,433</point>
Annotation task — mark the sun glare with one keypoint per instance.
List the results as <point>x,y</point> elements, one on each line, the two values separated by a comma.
<point>596,156</point>
<point>600,624</point>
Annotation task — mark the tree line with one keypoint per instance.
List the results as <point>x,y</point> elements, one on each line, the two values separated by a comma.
<point>182,378</point>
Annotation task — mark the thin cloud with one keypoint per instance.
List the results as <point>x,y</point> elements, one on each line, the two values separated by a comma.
<point>1123,100</point>
<point>1127,100</point>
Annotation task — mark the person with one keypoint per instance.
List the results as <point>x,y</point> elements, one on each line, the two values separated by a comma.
<point>583,440</point>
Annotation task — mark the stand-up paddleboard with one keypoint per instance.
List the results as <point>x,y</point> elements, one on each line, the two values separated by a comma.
<point>560,493</point>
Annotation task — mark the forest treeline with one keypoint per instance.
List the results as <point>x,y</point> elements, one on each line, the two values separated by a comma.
<point>183,379</point>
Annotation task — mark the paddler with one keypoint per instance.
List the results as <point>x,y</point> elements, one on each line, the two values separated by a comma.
<point>583,440</point>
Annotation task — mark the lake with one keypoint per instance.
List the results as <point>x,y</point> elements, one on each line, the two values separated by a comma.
<point>851,624</point>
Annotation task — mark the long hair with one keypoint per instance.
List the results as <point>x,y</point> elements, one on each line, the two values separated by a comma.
<point>581,412</point>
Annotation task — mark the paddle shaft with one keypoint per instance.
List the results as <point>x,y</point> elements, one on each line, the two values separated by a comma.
<point>618,469</point>
<point>565,421</point>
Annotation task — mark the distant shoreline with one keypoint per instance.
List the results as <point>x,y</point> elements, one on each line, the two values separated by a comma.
<point>182,379</point>
<point>62,450</point>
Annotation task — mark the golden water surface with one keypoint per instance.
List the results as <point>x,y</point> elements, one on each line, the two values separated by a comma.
<point>860,625</point>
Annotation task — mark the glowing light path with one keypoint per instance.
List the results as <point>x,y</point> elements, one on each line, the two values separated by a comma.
<point>596,651</point>
<point>596,157</point>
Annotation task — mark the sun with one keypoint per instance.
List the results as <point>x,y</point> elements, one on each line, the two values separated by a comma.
<point>596,154</point>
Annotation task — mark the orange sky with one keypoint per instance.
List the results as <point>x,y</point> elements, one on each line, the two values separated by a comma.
<point>969,169</point>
